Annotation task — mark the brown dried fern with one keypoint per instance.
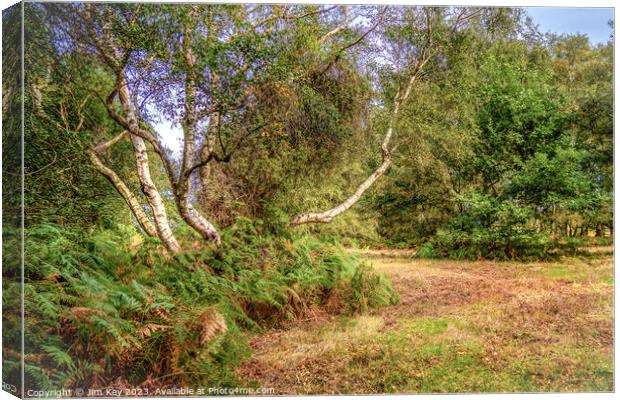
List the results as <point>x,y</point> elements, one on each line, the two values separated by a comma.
<point>212,324</point>
<point>148,329</point>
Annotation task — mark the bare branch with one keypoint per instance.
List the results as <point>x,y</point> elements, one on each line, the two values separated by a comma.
<point>101,147</point>
<point>339,28</point>
<point>292,17</point>
<point>357,41</point>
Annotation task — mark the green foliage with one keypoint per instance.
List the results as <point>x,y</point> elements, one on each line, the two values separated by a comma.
<point>488,244</point>
<point>504,151</point>
<point>307,158</point>
<point>104,307</point>
<point>526,170</point>
<point>499,230</point>
<point>517,115</point>
<point>63,120</point>
<point>488,228</point>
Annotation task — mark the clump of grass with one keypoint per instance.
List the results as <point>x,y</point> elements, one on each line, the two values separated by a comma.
<point>101,308</point>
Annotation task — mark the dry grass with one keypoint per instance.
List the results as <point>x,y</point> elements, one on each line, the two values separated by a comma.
<point>460,327</point>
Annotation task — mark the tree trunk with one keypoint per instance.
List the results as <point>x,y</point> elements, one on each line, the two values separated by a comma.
<point>599,230</point>
<point>207,148</point>
<point>187,211</point>
<point>123,190</point>
<point>144,173</point>
<point>184,187</point>
<point>153,196</point>
<point>117,60</point>
<point>329,215</point>
<point>192,216</point>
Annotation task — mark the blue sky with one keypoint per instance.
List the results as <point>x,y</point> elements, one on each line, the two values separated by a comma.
<point>591,21</point>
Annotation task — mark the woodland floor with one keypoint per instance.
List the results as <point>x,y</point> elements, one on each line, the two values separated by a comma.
<point>460,327</point>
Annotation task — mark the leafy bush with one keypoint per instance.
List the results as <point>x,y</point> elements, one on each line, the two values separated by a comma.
<point>493,229</point>
<point>488,244</point>
<point>107,307</point>
<point>570,245</point>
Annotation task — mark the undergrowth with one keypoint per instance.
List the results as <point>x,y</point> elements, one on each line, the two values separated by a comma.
<point>493,244</point>
<point>486,244</point>
<point>107,308</point>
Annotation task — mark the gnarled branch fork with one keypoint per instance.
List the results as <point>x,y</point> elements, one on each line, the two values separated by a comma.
<point>128,119</point>
<point>149,188</point>
<point>117,59</point>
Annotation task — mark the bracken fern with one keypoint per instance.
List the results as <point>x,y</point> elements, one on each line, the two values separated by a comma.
<point>101,312</point>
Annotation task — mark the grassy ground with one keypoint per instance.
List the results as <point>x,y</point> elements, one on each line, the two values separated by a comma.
<point>460,327</point>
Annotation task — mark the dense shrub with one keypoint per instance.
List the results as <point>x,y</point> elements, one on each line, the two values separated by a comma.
<point>106,308</point>
<point>488,244</point>
<point>496,229</point>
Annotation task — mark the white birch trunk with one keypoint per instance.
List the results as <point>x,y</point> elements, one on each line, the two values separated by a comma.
<point>329,215</point>
<point>153,196</point>
<point>187,211</point>
<point>193,216</point>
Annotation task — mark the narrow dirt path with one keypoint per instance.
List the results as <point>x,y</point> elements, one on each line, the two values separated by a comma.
<point>459,327</point>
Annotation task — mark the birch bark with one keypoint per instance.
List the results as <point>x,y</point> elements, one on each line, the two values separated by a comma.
<point>190,119</point>
<point>162,224</point>
<point>329,215</point>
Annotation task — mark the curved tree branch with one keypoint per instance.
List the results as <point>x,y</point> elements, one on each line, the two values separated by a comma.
<point>329,215</point>
<point>120,186</point>
<point>135,129</point>
<point>142,163</point>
